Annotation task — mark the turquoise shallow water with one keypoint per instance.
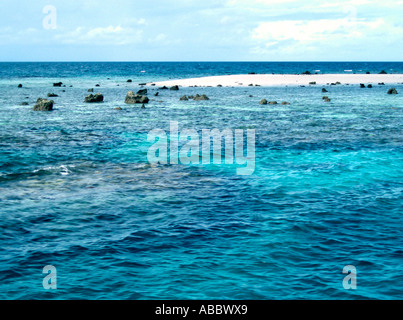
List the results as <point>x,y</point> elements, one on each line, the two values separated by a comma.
<point>77,192</point>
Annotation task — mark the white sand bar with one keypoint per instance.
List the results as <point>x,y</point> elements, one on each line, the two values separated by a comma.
<point>269,80</point>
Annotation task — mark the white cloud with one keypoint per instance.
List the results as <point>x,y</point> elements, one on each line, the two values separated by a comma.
<point>111,35</point>
<point>141,21</point>
<point>104,32</point>
<point>254,2</point>
<point>10,35</point>
<point>324,38</point>
<point>313,30</point>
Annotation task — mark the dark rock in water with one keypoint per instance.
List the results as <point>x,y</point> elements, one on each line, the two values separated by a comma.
<point>326,99</point>
<point>20,85</point>
<point>257,85</point>
<point>132,98</point>
<point>392,91</point>
<point>143,106</point>
<point>52,95</point>
<point>130,80</point>
<point>90,90</point>
<point>144,99</point>
<point>24,104</point>
<point>153,84</point>
<point>174,88</point>
<point>381,84</point>
<point>43,105</point>
<point>191,97</point>
<point>368,72</point>
<point>362,85</point>
<point>58,84</point>
<point>164,88</point>
<point>250,96</point>
<point>383,72</point>
<point>284,103</point>
<point>263,101</point>
<point>142,84</point>
<point>250,85</point>
<point>338,82</point>
<point>118,108</point>
<point>92,98</point>
<point>272,102</point>
<point>157,94</point>
<point>97,85</point>
<point>306,72</point>
<point>370,86</point>
<point>70,86</point>
<point>184,98</point>
<point>251,73</point>
<point>324,90</point>
<point>219,85</point>
<point>142,92</point>
<point>200,98</point>
<point>312,83</point>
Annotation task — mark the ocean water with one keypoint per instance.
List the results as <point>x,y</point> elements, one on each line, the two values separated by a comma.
<point>77,191</point>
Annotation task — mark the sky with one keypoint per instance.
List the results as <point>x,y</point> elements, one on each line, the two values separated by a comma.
<point>201,30</point>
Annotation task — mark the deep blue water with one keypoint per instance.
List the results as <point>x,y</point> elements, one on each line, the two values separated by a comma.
<point>176,70</point>
<point>77,191</point>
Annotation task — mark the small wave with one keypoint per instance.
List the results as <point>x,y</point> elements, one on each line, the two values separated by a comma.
<point>63,169</point>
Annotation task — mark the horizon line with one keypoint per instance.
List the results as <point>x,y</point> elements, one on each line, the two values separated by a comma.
<point>202,61</point>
